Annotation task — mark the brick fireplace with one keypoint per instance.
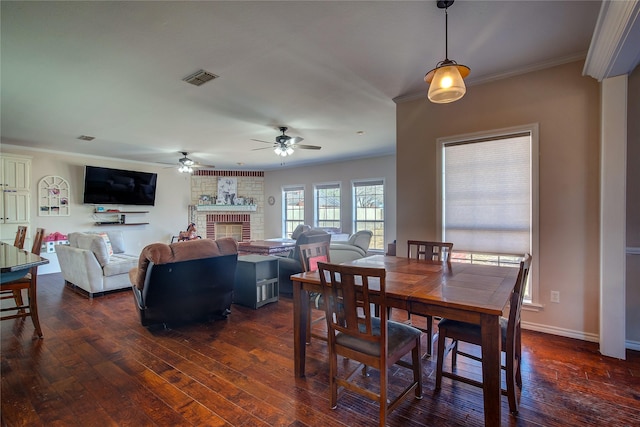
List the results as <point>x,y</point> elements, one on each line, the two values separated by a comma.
<point>219,219</point>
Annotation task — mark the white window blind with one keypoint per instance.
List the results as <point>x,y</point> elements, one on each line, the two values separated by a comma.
<point>487,194</point>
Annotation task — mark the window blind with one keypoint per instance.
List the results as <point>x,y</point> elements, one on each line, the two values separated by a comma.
<point>487,194</point>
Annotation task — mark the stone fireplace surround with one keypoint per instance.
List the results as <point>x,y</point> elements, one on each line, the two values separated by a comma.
<point>250,185</point>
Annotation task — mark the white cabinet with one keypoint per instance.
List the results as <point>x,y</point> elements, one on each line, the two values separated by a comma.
<point>16,179</point>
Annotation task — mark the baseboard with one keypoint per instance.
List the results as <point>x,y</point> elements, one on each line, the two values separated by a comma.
<point>560,331</point>
<point>630,345</point>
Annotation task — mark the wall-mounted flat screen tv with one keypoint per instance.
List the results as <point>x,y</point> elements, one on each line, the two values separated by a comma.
<point>119,187</point>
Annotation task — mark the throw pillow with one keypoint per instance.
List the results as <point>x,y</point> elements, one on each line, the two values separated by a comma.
<point>107,242</point>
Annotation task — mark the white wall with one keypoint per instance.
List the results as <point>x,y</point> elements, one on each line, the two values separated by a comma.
<point>166,218</point>
<point>343,172</point>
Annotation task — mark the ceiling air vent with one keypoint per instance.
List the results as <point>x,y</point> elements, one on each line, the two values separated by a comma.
<point>86,138</point>
<point>200,77</point>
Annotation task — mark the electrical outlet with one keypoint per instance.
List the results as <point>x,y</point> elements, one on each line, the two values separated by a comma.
<point>555,296</point>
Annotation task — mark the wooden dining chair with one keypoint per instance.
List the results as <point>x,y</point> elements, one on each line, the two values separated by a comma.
<point>28,282</point>
<point>471,333</point>
<point>21,234</point>
<point>437,252</point>
<point>356,334</point>
<point>310,255</point>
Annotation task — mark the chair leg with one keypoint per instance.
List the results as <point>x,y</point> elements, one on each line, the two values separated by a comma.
<point>417,369</point>
<point>333,385</point>
<point>384,371</point>
<point>33,307</point>
<point>17,296</point>
<point>511,380</point>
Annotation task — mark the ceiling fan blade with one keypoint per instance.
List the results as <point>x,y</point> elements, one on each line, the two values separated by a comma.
<point>262,148</point>
<point>307,147</point>
<point>259,140</point>
<point>295,139</point>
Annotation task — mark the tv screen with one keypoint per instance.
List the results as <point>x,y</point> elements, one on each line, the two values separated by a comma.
<point>119,187</point>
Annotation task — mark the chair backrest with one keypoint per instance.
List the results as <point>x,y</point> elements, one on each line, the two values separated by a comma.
<point>21,234</point>
<point>432,251</point>
<point>313,253</point>
<point>37,241</point>
<point>348,303</point>
<point>517,296</point>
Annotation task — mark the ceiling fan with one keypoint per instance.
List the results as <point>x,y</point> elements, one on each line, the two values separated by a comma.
<point>186,165</point>
<point>285,144</point>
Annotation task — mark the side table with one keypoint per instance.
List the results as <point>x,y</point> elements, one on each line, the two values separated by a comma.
<point>256,280</point>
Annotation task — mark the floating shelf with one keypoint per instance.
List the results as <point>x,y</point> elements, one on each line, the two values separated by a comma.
<point>116,218</point>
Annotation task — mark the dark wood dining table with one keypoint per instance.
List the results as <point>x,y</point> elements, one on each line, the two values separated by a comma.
<point>15,263</point>
<point>472,293</point>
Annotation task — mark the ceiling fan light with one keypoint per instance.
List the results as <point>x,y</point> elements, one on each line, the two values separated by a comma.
<point>289,150</point>
<point>277,150</point>
<point>187,162</point>
<point>447,84</point>
<point>185,169</point>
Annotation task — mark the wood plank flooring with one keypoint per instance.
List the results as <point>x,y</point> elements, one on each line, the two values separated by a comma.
<point>97,366</point>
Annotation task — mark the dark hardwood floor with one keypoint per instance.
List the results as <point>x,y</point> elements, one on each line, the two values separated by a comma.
<point>97,366</point>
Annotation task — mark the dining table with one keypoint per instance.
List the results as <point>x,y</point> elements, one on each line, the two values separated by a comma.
<point>473,293</point>
<point>16,263</point>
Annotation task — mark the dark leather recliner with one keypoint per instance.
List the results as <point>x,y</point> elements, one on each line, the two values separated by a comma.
<point>292,264</point>
<point>185,281</point>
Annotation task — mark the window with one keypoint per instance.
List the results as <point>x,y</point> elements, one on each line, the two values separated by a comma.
<point>368,205</point>
<point>293,214</point>
<point>488,197</point>
<point>327,198</point>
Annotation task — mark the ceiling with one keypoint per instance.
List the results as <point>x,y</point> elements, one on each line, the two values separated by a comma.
<point>325,69</point>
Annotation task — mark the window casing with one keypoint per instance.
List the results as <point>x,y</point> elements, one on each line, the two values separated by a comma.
<point>292,209</point>
<point>488,198</point>
<point>327,205</point>
<point>368,207</point>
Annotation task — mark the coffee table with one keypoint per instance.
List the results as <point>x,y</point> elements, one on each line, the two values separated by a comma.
<point>265,247</point>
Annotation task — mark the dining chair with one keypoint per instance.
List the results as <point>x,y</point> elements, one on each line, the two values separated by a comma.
<point>471,333</point>
<point>28,282</point>
<point>437,252</point>
<point>21,234</point>
<point>356,334</point>
<point>310,255</point>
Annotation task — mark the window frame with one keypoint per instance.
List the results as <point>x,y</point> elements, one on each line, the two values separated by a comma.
<point>532,129</point>
<point>364,183</point>
<point>317,188</point>
<point>285,212</point>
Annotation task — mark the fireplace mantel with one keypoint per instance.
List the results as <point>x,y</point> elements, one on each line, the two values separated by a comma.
<point>226,208</point>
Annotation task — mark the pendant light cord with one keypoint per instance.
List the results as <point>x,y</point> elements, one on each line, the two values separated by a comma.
<point>446,34</point>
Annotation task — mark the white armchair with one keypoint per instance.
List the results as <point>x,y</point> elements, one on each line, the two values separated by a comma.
<point>96,262</point>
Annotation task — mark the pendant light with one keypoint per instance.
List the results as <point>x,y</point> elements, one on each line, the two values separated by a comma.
<point>447,79</point>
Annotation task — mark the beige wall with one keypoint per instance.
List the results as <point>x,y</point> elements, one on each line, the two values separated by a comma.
<point>166,218</point>
<point>633,208</point>
<point>566,106</point>
<point>343,172</point>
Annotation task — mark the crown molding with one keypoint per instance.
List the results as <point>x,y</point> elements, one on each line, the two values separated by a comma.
<point>614,48</point>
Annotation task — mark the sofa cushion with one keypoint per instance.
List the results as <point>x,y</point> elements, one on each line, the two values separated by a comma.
<point>117,241</point>
<point>95,244</point>
<point>120,264</point>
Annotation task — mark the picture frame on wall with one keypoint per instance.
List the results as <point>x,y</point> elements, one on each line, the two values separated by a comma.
<point>227,190</point>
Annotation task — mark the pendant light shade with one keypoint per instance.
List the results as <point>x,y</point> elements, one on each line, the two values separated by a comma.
<point>447,79</point>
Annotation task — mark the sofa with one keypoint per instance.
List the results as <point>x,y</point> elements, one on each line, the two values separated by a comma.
<point>356,247</point>
<point>96,262</point>
<point>291,264</point>
<point>184,281</point>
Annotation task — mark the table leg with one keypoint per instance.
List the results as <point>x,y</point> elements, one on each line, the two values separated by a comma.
<point>491,348</point>
<point>300,317</point>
